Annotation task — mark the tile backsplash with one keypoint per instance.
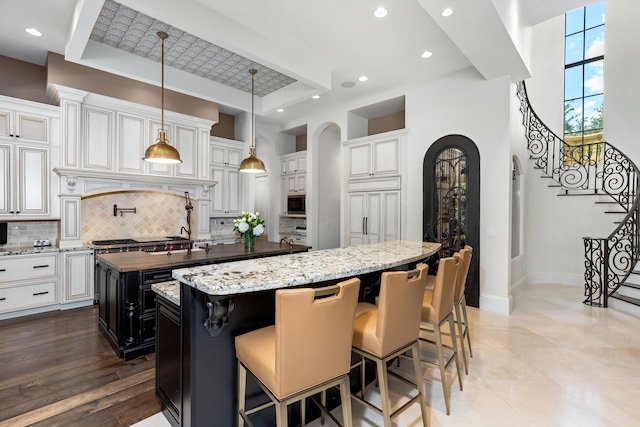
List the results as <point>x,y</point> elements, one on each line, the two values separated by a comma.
<point>157,214</point>
<point>23,233</point>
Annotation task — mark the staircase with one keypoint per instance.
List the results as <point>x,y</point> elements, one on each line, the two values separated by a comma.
<point>612,274</point>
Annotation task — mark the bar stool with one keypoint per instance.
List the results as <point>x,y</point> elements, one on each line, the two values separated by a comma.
<point>460,304</point>
<point>437,309</point>
<point>385,331</point>
<point>307,350</point>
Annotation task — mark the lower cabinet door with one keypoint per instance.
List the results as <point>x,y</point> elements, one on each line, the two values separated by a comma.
<point>168,357</point>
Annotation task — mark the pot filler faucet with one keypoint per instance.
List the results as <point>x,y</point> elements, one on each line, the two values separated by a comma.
<point>188,207</point>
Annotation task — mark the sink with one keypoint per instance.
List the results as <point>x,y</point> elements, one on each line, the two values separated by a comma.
<point>177,251</point>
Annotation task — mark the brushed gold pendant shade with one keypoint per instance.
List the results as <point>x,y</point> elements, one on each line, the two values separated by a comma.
<point>161,151</point>
<point>252,164</point>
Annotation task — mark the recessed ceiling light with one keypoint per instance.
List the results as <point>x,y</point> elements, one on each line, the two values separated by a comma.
<point>280,110</point>
<point>447,12</point>
<point>426,54</point>
<point>33,32</point>
<point>363,78</point>
<point>380,12</point>
<point>316,96</point>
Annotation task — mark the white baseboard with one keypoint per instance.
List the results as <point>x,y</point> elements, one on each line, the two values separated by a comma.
<point>496,304</point>
<point>30,311</point>
<point>76,304</point>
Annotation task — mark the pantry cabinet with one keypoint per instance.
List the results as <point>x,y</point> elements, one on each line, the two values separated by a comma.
<point>225,196</point>
<point>373,217</point>
<point>374,188</point>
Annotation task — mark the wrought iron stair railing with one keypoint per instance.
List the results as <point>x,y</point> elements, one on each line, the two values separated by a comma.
<point>595,168</point>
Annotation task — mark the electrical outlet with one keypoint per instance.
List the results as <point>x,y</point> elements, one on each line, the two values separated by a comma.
<point>42,242</point>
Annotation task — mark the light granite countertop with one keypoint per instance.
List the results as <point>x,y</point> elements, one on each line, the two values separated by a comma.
<point>304,268</point>
<point>29,250</point>
<point>169,290</point>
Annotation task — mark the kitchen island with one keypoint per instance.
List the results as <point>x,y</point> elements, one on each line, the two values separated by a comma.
<point>219,302</point>
<point>127,305</point>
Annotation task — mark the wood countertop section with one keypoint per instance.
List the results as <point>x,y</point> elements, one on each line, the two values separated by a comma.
<point>303,268</point>
<point>133,261</point>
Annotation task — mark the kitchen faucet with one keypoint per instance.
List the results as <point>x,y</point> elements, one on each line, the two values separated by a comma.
<point>289,241</point>
<point>188,207</point>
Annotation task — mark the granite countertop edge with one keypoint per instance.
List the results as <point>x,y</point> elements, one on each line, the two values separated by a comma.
<point>304,268</point>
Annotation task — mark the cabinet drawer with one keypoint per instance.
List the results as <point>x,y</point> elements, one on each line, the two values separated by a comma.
<point>156,276</point>
<point>27,296</point>
<point>28,267</point>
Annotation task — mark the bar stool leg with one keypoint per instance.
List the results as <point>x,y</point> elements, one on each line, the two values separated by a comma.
<point>383,382</point>
<point>466,324</point>
<point>415,355</point>
<point>345,395</point>
<point>281,414</point>
<point>443,371</point>
<point>455,349</point>
<point>242,385</point>
<point>461,335</point>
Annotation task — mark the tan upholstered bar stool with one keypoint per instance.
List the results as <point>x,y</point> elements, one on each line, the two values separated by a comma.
<point>307,350</point>
<point>385,331</point>
<point>460,304</point>
<point>437,309</point>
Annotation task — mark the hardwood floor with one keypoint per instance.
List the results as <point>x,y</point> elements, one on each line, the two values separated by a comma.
<point>56,369</point>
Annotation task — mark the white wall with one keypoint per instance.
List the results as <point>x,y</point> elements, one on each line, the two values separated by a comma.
<point>468,105</point>
<point>330,161</point>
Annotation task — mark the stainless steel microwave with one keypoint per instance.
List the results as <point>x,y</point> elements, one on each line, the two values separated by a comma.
<point>296,204</point>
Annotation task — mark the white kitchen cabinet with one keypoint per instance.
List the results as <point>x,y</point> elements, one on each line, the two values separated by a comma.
<point>186,143</point>
<point>77,277</point>
<point>225,196</point>
<point>294,173</point>
<point>225,154</point>
<point>373,158</point>
<point>373,217</point>
<point>98,153</point>
<point>24,182</point>
<point>130,143</point>
<point>23,126</point>
<point>28,282</point>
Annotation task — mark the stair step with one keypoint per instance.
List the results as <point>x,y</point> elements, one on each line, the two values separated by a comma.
<point>633,280</point>
<point>626,304</point>
<point>629,292</point>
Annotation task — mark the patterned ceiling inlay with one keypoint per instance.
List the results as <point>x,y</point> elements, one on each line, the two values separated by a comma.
<point>131,31</point>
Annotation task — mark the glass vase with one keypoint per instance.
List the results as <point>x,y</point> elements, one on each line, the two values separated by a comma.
<point>249,241</point>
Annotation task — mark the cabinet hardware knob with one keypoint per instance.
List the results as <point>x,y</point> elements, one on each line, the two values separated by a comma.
<point>40,293</point>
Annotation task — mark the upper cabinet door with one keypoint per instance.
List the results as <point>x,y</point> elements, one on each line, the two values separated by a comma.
<point>374,158</point>
<point>33,181</point>
<point>360,160</point>
<point>385,157</point>
<point>187,145</point>
<point>24,127</point>
<point>98,137</point>
<point>131,143</point>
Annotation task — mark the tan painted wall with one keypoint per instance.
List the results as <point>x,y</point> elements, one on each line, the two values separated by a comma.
<point>301,142</point>
<point>23,80</point>
<point>80,77</point>
<point>386,123</point>
<point>225,128</point>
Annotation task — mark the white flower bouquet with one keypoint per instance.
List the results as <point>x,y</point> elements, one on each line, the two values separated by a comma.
<point>249,222</point>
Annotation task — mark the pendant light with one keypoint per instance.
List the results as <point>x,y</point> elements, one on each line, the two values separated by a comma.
<point>252,164</point>
<point>161,151</point>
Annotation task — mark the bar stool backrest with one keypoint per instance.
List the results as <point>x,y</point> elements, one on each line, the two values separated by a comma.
<point>400,307</point>
<point>463,270</point>
<point>443,289</point>
<point>314,335</point>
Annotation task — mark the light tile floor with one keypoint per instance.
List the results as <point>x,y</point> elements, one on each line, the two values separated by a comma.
<point>553,362</point>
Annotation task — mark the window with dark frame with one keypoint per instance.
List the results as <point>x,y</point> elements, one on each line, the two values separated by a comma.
<point>584,82</point>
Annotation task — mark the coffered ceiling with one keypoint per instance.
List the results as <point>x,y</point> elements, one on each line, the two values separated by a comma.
<point>299,47</point>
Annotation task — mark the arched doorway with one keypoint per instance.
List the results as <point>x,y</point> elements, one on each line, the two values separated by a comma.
<point>451,205</point>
